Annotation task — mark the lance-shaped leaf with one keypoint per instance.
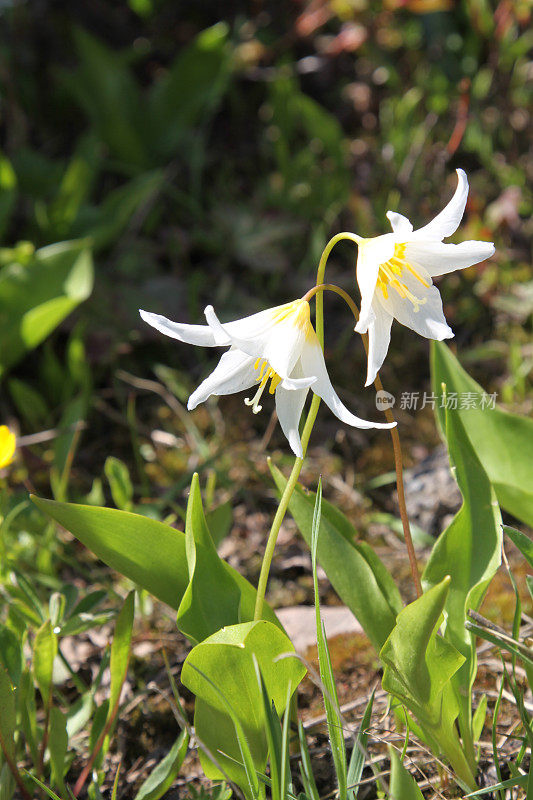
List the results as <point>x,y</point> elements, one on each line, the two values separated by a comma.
<point>419,665</point>
<point>212,598</point>
<point>147,552</point>
<point>469,551</point>
<point>57,747</point>
<point>498,437</point>
<point>356,573</point>
<point>44,653</point>
<point>165,773</point>
<point>221,670</point>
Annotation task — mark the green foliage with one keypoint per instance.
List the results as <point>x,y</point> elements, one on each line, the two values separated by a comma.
<point>212,597</point>
<point>331,701</point>
<point>419,665</point>
<point>469,551</point>
<point>164,774</point>
<point>310,152</point>
<point>146,551</point>
<point>44,653</point>
<point>162,560</point>
<point>221,672</point>
<point>496,436</point>
<point>402,785</point>
<point>36,297</point>
<point>356,573</point>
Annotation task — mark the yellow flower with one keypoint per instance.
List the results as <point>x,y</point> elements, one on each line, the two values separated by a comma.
<point>7,446</point>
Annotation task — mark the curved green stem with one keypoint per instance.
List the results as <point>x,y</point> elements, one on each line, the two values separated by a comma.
<point>308,427</point>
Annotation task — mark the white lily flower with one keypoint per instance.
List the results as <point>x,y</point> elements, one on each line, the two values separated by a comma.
<point>395,272</point>
<point>277,345</point>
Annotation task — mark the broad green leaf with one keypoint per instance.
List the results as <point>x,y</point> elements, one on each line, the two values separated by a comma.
<point>7,715</point>
<point>120,484</point>
<point>147,552</point>
<point>523,542</point>
<point>57,746</point>
<point>419,665</point>
<point>36,297</point>
<point>227,659</point>
<point>402,784</point>
<point>469,551</point>
<point>44,653</point>
<point>358,576</point>
<point>212,598</point>
<point>329,690</point>
<point>163,776</point>
<point>497,436</point>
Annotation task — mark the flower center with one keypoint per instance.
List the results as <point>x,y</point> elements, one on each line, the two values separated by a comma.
<point>266,373</point>
<point>390,273</point>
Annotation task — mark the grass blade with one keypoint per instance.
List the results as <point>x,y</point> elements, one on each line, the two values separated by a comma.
<point>357,760</point>
<point>331,703</point>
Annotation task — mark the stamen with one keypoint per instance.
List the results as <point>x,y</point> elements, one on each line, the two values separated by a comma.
<point>394,267</point>
<point>266,373</point>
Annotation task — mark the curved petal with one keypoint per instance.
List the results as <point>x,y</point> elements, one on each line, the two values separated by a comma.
<point>378,340</point>
<point>289,407</point>
<point>372,253</point>
<point>429,320</point>
<point>233,373</point>
<point>449,218</point>
<point>312,359</point>
<point>439,258</point>
<point>191,334</point>
<point>400,224</point>
<point>278,338</point>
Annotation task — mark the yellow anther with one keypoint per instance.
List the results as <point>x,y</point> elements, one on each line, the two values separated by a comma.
<point>394,267</point>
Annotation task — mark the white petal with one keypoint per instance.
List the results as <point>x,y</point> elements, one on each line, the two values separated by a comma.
<point>372,253</point>
<point>289,407</point>
<point>439,258</point>
<point>449,218</point>
<point>429,320</point>
<point>278,336</point>
<point>312,359</point>
<point>191,334</point>
<point>294,384</point>
<point>378,340</point>
<point>233,373</point>
<point>400,224</point>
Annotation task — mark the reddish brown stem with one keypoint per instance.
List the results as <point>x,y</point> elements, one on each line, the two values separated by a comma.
<point>80,783</point>
<point>398,461</point>
<point>14,770</point>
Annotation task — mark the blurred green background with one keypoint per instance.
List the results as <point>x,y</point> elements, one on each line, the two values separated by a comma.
<point>167,155</point>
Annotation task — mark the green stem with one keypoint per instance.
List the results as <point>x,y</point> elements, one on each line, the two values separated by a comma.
<point>308,427</point>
